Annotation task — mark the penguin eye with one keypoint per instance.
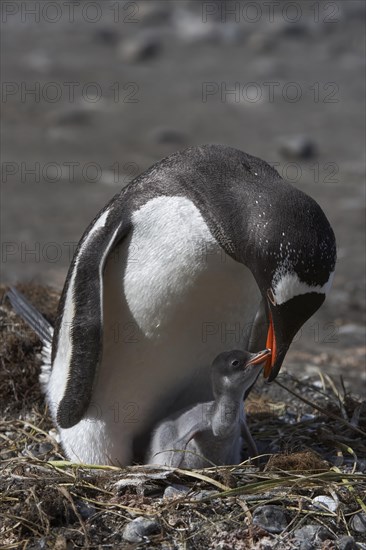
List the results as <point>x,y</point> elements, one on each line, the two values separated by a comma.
<point>271,297</point>
<point>235,363</point>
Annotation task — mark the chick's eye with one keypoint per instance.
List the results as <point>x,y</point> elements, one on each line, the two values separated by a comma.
<point>234,363</point>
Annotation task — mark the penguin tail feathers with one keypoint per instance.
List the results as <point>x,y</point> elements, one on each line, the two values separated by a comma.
<point>31,316</point>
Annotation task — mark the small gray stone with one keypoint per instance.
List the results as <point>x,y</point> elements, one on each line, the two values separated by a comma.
<point>297,148</point>
<point>261,42</point>
<point>325,502</point>
<point>190,28</point>
<point>175,491</point>
<point>74,117</point>
<point>137,529</point>
<point>139,49</point>
<point>347,543</point>
<point>310,535</point>
<point>7,455</point>
<point>45,448</point>
<point>202,494</point>
<point>358,522</point>
<point>85,510</point>
<point>271,518</point>
<point>40,544</point>
<point>107,36</point>
<point>37,449</point>
<point>295,30</point>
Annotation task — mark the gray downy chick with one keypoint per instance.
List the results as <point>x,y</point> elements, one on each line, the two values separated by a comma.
<point>212,433</point>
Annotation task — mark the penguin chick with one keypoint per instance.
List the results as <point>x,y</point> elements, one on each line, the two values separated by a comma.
<point>212,433</point>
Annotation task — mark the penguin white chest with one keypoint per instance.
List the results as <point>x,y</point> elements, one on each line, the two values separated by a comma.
<point>178,298</point>
<point>173,265</point>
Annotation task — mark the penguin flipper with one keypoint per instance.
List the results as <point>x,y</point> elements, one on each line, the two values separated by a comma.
<point>179,446</point>
<point>30,315</point>
<point>79,329</point>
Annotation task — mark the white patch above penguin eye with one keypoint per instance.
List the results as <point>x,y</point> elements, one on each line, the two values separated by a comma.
<point>289,285</point>
<point>271,296</point>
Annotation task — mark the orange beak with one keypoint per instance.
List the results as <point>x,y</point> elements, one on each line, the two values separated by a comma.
<point>260,357</point>
<point>270,344</point>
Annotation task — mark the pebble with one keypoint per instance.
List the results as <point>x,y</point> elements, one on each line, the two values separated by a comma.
<point>310,535</point>
<point>137,529</point>
<point>295,30</point>
<point>358,522</point>
<point>347,543</point>
<point>37,449</point>
<point>261,42</point>
<point>323,501</point>
<point>297,148</point>
<point>202,494</point>
<point>142,48</point>
<point>7,455</point>
<point>61,543</point>
<point>85,510</point>
<point>271,518</point>
<point>306,417</point>
<point>190,28</point>
<point>76,116</point>
<point>40,544</point>
<point>351,328</point>
<point>175,491</point>
<point>352,334</point>
<point>107,36</point>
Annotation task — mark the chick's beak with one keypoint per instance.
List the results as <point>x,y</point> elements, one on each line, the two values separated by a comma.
<point>260,357</point>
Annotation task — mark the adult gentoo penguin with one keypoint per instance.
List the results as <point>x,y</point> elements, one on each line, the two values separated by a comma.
<point>208,250</point>
<point>212,433</point>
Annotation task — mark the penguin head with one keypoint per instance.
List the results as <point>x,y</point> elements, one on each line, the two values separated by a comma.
<point>292,259</point>
<point>237,370</point>
<point>283,236</point>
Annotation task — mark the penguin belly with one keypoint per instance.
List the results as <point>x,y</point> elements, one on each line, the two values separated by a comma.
<point>172,301</point>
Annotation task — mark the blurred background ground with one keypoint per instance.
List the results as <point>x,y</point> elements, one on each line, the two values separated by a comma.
<point>93,94</point>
